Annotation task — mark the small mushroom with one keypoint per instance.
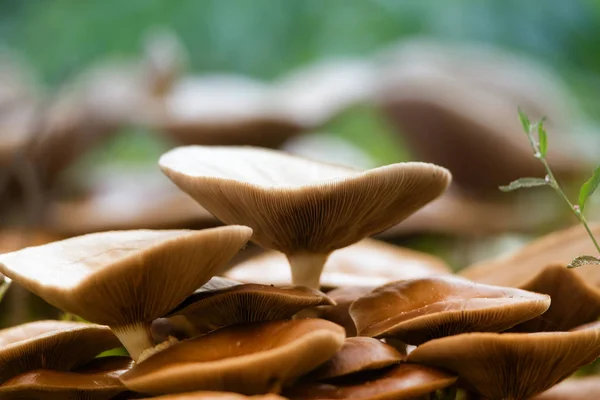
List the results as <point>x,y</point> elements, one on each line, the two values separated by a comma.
<point>340,312</point>
<point>216,396</point>
<point>124,279</point>
<point>248,359</point>
<point>573,389</point>
<point>303,208</point>
<point>512,365</point>
<point>97,380</point>
<point>55,345</point>
<point>405,381</point>
<point>419,310</point>
<point>366,263</point>
<point>358,354</point>
<point>208,310</point>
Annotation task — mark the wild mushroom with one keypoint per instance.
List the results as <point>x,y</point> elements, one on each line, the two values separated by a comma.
<point>512,365</point>
<point>208,310</point>
<point>216,396</point>
<point>339,313</point>
<point>97,380</point>
<point>573,389</point>
<point>405,381</point>
<point>124,279</point>
<point>248,359</point>
<point>55,345</point>
<point>419,310</point>
<point>366,263</point>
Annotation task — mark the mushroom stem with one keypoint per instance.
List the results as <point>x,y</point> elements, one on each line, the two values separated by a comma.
<point>135,338</point>
<point>307,268</point>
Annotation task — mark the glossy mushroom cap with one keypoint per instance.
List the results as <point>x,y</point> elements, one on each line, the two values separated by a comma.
<point>216,396</point>
<point>340,312</point>
<point>55,345</point>
<point>124,279</point>
<point>357,354</point>
<point>208,310</point>
<point>405,381</point>
<point>248,359</point>
<point>418,310</point>
<point>367,263</point>
<point>512,365</point>
<point>573,389</point>
<point>97,380</point>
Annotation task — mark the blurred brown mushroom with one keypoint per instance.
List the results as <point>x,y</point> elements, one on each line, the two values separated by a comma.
<point>55,345</point>
<point>512,365</point>
<point>419,310</point>
<point>366,263</point>
<point>248,359</point>
<point>207,310</point>
<point>124,279</point>
<point>573,389</point>
<point>96,380</point>
<point>216,396</point>
<point>405,381</point>
<point>339,313</point>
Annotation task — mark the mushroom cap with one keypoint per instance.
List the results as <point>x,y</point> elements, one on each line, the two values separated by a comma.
<point>512,365</point>
<point>97,380</point>
<point>367,263</point>
<point>559,247</point>
<point>574,303</point>
<point>203,395</point>
<point>573,389</point>
<point>123,277</point>
<point>208,310</point>
<point>56,345</point>
<point>405,381</point>
<point>418,310</point>
<point>249,359</point>
<point>296,205</point>
<point>339,313</point>
<point>358,354</point>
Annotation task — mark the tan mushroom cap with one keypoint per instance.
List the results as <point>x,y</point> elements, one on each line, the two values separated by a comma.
<point>358,354</point>
<point>419,310</point>
<point>203,395</point>
<point>512,365</point>
<point>574,303</point>
<point>208,310</point>
<point>56,345</point>
<point>124,279</point>
<point>405,381</point>
<point>559,247</point>
<point>367,263</point>
<point>573,389</point>
<point>97,380</point>
<point>339,313</point>
<point>249,359</point>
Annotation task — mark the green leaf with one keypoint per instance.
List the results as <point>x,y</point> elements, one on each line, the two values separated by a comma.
<point>524,121</point>
<point>524,183</point>
<point>588,188</point>
<point>584,260</point>
<point>542,138</point>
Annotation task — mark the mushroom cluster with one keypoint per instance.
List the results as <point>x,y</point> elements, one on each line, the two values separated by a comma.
<point>323,313</point>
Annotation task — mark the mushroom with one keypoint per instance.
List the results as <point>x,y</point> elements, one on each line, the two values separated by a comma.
<point>208,310</point>
<point>573,389</point>
<point>305,209</point>
<point>56,345</point>
<point>419,310</point>
<point>124,279</point>
<point>366,263</point>
<point>405,381</point>
<point>357,354</point>
<point>339,313</point>
<point>512,365</point>
<point>216,396</point>
<point>248,359</point>
<point>97,380</point>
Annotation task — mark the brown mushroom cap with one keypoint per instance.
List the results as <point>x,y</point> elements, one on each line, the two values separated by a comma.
<point>367,263</point>
<point>405,381</point>
<point>97,380</point>
<point>216,396</point>
<point>124,279</point>
<point>358,354</point>
<point>574,303</point>
<point>573,389</point>
<point>339,313</point>
<point>418,310</point>
<point>56,345</point>
<point>512,365</point>
<point>249,359</point>
<point>208,310</point>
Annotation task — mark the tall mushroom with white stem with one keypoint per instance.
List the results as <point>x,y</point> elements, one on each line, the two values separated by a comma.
<point>303,208</point>
<point>124,279</point>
